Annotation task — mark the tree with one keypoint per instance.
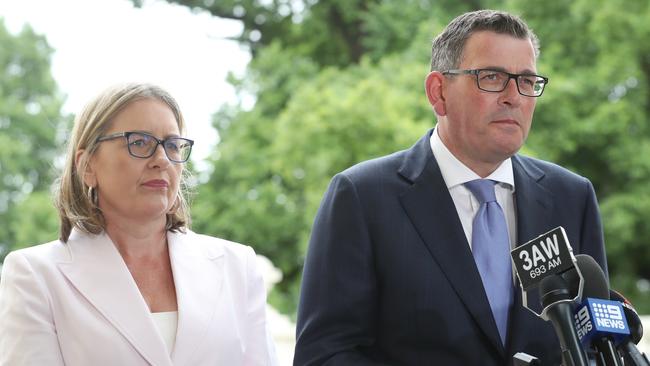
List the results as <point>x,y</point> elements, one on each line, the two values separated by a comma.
<point>32,129</point>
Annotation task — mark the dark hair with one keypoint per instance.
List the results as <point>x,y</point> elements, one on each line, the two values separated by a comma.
<point>447,48</point>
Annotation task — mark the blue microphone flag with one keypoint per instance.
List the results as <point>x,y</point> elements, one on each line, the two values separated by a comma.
<point>601,318</point>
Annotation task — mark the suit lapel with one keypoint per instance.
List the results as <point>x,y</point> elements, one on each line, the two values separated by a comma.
<point>99,273</point>
<point>534,205</point>
<point>430,208</point>
<point>198,277</point>
<point>533,201</point>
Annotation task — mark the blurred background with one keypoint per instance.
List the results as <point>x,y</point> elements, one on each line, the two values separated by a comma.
<point>282,94</point>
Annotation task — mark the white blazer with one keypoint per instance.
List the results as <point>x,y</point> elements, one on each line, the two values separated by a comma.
<point>76,304</point>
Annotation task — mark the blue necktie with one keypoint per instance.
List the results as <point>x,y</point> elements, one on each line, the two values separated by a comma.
<point>491,250</point>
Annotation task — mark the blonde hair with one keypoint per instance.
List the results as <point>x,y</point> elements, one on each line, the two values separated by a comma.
<point>72,197</point>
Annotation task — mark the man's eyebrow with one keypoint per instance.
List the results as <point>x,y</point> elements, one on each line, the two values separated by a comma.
<point>499,68</point>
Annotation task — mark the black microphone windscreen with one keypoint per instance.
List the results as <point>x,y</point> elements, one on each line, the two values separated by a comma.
<point>553,289</point>
<point>633,320</point>
<point>595,281</point>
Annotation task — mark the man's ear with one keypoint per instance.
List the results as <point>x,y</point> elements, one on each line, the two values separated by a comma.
<point>84,165</point>
<point>433,87</point>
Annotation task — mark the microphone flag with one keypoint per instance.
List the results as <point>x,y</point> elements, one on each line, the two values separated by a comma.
<point>601,318</point>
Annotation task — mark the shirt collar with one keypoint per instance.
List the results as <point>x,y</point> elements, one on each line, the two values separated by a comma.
<point>455,173</point>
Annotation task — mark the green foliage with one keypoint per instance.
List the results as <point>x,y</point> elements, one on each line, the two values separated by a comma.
<point>333,32</point>
<point>35,220</point>
<point>32,129</point>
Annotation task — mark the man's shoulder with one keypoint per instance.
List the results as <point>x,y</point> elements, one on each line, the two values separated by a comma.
<point>397,166</point>
<point>391,160</point>
<point>549,170</point>
<point>383,166</point>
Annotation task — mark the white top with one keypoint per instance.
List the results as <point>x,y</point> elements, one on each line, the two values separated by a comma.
<point>455,174</point>
<point>166,323</point>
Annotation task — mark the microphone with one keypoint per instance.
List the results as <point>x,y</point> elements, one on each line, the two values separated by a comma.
<point>600,322</point>
<point>627,347</point>
<point>557,300</point>
<point>547,262</point>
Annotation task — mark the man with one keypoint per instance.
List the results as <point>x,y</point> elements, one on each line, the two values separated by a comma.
<point>395,272</point>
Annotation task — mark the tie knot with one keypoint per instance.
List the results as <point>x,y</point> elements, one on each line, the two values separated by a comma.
<point>482,189</point>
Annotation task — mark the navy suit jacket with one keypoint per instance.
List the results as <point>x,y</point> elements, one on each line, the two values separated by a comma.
<point>389,277</point>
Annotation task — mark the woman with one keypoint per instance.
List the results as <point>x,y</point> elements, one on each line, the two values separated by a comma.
<point>127,283</point>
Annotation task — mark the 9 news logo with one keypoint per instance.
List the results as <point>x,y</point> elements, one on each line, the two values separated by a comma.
<point>602,316</point>
<point>608,316</point>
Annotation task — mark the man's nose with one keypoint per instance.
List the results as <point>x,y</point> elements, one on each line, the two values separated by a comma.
<point>510,95</point>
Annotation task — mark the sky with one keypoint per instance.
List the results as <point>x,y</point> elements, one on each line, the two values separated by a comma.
<point>98,43</point>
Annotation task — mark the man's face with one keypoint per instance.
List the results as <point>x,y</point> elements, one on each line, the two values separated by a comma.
<point>484,128</point>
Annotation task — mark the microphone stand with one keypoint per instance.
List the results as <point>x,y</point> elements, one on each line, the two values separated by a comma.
<point>634,357</point>
<point>607,352</point>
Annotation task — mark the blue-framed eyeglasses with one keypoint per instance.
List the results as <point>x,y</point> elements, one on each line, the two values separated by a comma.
<point>143,145</point>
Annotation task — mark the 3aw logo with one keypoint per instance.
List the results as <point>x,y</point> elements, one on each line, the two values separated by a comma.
<point>546,255</point>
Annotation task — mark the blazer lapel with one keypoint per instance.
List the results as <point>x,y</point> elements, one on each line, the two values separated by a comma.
<point>533,201</point>
<point>198,277</point>
<point>429,206</point>
<point>534,205</point>
<point>99,273</point>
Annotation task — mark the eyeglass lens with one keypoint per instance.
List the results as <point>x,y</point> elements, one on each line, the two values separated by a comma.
<point>496,81</point>
<point>143,146</point>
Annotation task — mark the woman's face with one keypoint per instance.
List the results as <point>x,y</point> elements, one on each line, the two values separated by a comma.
<point>137,189</point>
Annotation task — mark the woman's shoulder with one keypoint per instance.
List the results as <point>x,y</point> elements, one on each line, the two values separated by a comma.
<point>214,246</point>
<point>235,257</point>
<point>53,250</point>
<point>40,258</point>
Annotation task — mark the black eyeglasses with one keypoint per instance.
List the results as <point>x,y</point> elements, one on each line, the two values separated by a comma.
<point>143,145</point>
<point>488,80</point>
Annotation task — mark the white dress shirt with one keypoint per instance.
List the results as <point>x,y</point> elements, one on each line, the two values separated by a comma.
<point>455,174</point>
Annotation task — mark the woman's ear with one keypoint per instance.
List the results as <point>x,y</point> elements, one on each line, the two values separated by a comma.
<point>433,87</point>
<point>85,168</point>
